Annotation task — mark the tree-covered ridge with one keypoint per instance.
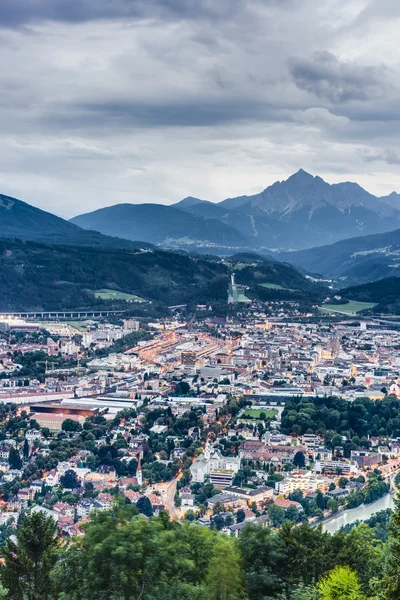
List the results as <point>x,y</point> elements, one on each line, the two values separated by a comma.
<point>385,292</point>
<point>35,276</point>
<point>123,555</point>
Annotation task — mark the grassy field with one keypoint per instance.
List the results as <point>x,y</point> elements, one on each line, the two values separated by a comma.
<point>253,413</point>
<point>106,294</point>
<point>352,308</point>
<point>276,286</point>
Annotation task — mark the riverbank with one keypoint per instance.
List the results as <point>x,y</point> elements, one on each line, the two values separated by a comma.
<point>361,513</point>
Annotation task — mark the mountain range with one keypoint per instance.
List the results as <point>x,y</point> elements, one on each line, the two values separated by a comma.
<point>298,213</point>
<point>25,222</point>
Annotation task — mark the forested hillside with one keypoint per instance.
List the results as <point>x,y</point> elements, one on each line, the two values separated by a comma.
<point>35,276</point>
<point>126,556</point>
<point>39,277</point>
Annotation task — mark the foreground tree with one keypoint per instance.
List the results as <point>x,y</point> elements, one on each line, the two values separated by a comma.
<point>224,579</point>
<point>391,579</point>
<point>341,584</point>
<point>26,572</point>
<point>123,555</point>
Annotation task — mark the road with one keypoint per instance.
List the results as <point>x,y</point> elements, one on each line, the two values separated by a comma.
<point>168,491</point>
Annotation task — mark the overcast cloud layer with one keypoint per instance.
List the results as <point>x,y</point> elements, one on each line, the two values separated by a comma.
<point>153,100</point>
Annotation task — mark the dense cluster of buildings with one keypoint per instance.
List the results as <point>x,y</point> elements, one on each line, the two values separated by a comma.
<point>197,368</point>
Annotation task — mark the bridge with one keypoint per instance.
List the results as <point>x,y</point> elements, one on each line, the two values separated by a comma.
<point>62,314</point>
<point>177,307</point>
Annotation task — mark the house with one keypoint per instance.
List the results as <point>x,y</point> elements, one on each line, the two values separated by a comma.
<point>258,495</point>
<point>109,472</point>
<point>77,528</point>
<point>32,435</point>
<point>284,503</point>
<point>65,524</point>
<point>45,511</point>
<point>225,499</point>
<point>187,499</point>
<point>132,496</point>
<point>12,474</point>
<point>36,486</point>
<point>156,503</point>
<point>338,493</point>
<point>52,478</point>
<point>84,507</point>
<point>105,501</point>
<point>236,529</point>
<point>26,494</point>
<point>125,481</point>
<point>63,509</point>
<point>4,452</point>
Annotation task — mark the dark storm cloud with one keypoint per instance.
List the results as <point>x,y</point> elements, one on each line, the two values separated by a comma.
<point>17,12</point>
<point>200,113</point>
<point>337,81</point>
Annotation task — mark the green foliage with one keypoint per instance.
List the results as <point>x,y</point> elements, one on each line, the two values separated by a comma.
<point>341,584</point>
<point>26,572</point>
<point>71,425</point>
<point>332,416</point>
<point>276,515</point>
<point>391,580</point>
<point>123,556</point>
<point>69,480</point>
<point>40,277</point>
<point>14,459</point>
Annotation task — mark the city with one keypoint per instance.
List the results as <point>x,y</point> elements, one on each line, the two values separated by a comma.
<point>251,418</point>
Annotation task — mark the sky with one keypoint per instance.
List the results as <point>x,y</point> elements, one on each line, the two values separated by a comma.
<point>153,100</point>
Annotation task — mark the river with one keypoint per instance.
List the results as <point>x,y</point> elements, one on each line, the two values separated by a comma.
<point>361,513</point>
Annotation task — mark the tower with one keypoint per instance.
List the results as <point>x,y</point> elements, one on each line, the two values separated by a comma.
<point>139,475</point>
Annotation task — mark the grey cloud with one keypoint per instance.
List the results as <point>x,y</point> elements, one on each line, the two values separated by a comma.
<point>201,112</point>
<point>337,81</point>
<point>17,12</point>
<point>390,157</point>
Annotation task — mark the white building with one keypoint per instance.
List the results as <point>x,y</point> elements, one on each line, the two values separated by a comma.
<point>211,464</point>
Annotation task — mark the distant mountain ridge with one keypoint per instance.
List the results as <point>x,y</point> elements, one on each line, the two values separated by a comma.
<point>25,222</point>
<point>355,261</point>
<point>301,212</point>
<point>164,225</point>
<point>304,211</point>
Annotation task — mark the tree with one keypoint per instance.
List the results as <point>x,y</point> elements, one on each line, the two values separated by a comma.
<point>276,515</point>
<point>144,506</point>
<point>299,460</point>
<point>341,584</point>
<point>320,500</point>
<point>14,459</point>
<point>292,513</point>
<point>391,579</point>
<point>25,451</point>
<point>332,505</point>
<point>240,516</point>
<point>71,425</point>
<point>25,573</point>
<point>225,578</point>
<point>69,480</point>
